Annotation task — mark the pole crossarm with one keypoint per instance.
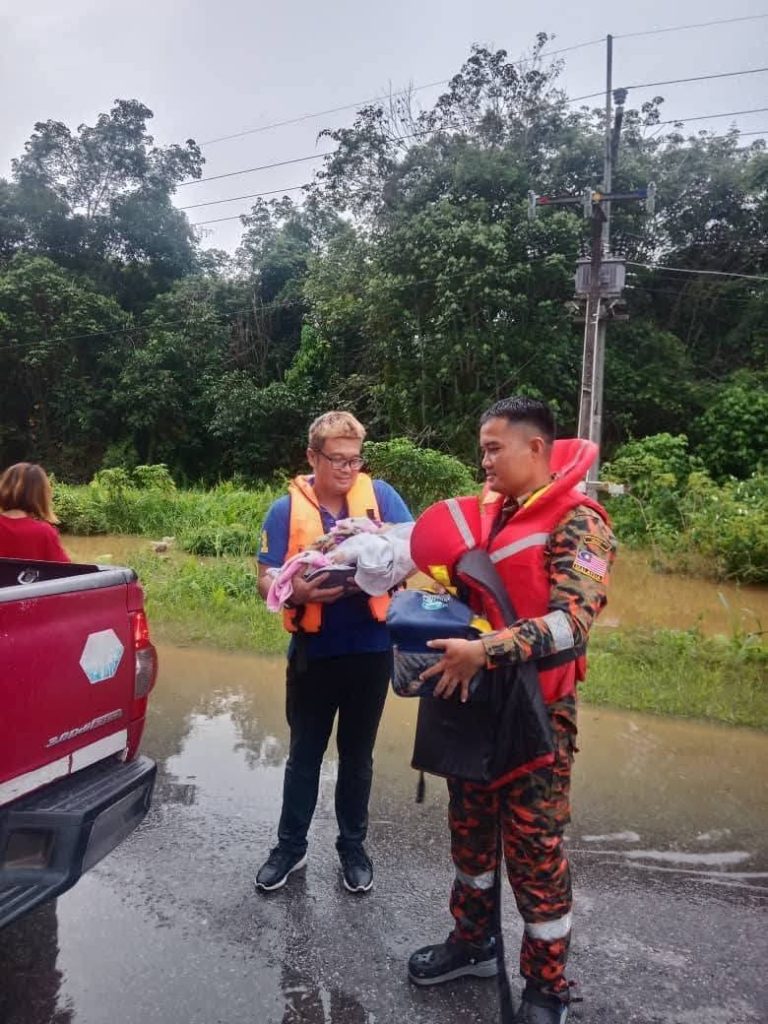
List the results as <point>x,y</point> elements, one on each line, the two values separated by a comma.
<point>591,198</point>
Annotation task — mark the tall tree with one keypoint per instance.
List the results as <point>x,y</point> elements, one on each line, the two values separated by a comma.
<point>99,200</point>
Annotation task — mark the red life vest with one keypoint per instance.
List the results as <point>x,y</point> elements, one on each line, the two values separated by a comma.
<point>517,551</point>
<point>452,527</point>
<point>306,526</point>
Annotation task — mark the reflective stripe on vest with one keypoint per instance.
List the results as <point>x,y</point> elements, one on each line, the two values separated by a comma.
<point>306,526</point>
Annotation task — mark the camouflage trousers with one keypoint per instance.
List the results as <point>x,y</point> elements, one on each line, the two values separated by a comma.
<point>532,812</point>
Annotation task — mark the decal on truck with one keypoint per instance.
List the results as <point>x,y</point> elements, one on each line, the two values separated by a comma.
<point>101,655</point>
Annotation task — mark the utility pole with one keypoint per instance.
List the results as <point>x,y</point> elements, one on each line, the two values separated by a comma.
<point>601,277</point>
<point>591,403</point>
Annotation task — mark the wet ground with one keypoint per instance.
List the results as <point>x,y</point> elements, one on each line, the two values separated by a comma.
<point>669,846</point>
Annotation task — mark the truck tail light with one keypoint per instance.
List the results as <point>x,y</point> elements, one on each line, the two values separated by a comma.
<point>146,656</point>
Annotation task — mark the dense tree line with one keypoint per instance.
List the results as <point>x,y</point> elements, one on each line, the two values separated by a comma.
<point>408,284</point>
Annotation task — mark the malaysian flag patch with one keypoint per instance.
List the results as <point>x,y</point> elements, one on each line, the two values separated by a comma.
<point>590,564</point>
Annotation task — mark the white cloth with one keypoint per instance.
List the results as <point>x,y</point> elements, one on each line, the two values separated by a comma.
<point>383,559</point>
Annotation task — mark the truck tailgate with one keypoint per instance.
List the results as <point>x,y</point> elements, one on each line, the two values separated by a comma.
<point>67,676</point>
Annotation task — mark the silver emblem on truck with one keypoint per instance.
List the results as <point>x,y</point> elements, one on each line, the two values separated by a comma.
<point>95,723</point>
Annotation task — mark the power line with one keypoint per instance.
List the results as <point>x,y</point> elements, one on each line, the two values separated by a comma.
<point>14,346</point>
<point>428,131</point>
<point>278,304</point>
<point>288,303</point>
<point>444,81</point>
<point>377,99</point>
<point>691,270</point>
<point>261,167</point>
<point>217,220</point>
<point>698,24</point>
<point>696,78</point>
<point>251,195</point>
<point>296,188</point>
<point>706,117</point>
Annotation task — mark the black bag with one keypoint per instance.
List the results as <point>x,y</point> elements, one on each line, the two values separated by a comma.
<point>483,740</point>
<point>415,617</point>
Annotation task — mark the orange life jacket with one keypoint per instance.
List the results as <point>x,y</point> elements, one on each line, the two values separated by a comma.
<point>306,526</point>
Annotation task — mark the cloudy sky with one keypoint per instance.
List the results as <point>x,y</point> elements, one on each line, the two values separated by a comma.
<point>209,69</point>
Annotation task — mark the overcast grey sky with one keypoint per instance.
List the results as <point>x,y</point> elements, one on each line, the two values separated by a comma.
<point>211,68</point>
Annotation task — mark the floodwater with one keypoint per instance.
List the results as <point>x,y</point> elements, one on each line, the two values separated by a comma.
<point>669,845</point>
<point>638,595</point>
<point>647,789</point>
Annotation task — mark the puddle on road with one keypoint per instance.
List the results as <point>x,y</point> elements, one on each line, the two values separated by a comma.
<point>166,919</point>
<point>639,596</point>
<point>654,792</point>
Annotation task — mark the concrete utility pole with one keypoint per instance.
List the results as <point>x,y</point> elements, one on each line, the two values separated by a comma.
<point>601,277</point>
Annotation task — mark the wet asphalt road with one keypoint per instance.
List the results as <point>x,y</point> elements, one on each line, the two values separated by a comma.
<point>669,847</point>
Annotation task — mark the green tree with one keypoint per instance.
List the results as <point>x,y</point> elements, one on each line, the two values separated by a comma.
<point>732,433</point>
<point>61,345</point>
<point>99,200</point>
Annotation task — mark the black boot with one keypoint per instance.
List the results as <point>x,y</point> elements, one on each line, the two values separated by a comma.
<point>539,1007</point>
<point>445,961</point>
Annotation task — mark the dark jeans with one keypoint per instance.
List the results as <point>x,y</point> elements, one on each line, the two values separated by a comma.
<point>355,686</point>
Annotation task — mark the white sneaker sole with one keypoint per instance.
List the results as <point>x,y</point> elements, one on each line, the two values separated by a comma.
<point>356,888</point>
<point>279,884</point>
<point>483,969</point>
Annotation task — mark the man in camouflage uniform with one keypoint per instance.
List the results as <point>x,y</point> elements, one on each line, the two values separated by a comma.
<point>533,809</point>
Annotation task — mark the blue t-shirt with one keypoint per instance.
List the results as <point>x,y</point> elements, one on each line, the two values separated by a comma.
<point>347,624</point>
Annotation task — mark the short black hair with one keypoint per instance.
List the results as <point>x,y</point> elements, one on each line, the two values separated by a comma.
<point>522,409</point>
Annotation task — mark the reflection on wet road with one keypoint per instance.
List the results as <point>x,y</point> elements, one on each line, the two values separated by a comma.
<point>670,847</point>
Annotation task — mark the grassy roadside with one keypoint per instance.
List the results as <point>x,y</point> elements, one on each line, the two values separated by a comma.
<point>674,672</point>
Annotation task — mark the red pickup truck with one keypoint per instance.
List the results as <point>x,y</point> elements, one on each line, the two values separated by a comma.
<point>76,668</point>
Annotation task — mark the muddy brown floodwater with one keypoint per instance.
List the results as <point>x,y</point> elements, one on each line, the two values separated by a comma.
<point>638,596</point>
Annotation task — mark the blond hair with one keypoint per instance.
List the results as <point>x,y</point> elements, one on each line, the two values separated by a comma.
<point>26,487</point>
<point>334,424</point>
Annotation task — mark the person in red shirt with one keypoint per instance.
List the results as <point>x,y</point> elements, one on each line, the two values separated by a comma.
<point>27,517</point>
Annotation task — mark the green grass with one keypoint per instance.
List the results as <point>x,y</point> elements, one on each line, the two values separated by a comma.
<point>215,603</point>
<point>224,520</point>
<point>680,672</point>
<point>671,672</point>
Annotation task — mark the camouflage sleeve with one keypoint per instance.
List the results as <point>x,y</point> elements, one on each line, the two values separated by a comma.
<point>579,557</point>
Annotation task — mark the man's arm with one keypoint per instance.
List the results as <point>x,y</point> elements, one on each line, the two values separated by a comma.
<point>580,555</point>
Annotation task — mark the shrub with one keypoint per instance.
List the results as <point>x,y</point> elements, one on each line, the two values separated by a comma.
<point>221,539</point>
<point>719,530</point>
<point>80,510</point>
<point>421,475</point>
<point>733,431</point>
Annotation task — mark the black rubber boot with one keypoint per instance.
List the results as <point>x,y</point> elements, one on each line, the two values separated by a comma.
<point>539,1007</point>
<point>432,965</point>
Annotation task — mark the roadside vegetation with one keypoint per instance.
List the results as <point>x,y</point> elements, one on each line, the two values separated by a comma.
<point>201,586</point>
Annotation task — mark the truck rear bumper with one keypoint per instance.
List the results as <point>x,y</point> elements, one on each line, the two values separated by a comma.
<point>49,838</point>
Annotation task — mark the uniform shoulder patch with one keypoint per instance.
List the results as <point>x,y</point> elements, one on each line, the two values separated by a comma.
<point>591,540</point>
<point>590,564</point>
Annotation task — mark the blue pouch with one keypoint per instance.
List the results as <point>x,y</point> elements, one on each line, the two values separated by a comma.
<point>414,617</point>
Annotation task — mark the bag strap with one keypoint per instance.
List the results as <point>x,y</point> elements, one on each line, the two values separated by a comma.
<point>475,566</point>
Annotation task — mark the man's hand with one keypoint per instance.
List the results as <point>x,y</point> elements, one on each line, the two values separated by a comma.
<point>460,661</point>
<point>312,592</point>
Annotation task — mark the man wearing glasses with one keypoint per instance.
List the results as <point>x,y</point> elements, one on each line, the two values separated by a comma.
<point>339,657</point>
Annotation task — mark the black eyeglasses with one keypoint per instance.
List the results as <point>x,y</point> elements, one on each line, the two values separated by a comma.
<point>339,462</point>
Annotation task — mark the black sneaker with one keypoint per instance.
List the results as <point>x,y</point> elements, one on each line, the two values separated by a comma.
<point>356,870</point>
<point>432,965</point>
<point>274,872</point>
<point>540,1008</point>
